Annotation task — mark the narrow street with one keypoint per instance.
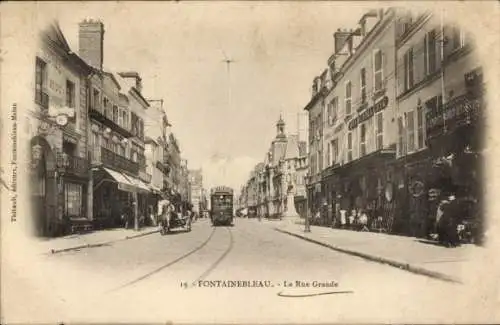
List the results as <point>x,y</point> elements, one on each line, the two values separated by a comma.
<point>141,280</point>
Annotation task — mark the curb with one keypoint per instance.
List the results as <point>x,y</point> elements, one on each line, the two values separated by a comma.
<point>56,251</point>
<point>382,260</point>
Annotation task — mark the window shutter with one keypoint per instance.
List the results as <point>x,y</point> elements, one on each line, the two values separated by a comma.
<point>418,63</point>
<point>400,74</point>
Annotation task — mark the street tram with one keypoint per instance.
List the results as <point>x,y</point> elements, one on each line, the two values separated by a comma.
<point>221,203</point>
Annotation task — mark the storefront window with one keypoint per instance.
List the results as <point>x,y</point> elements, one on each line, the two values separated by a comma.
<point>73,199</point>
<point>380,131</point>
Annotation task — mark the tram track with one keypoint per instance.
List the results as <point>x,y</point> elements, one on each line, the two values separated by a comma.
<point>182,258</point>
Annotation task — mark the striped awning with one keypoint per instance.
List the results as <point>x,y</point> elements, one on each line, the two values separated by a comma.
<point>124,183</point>
<point>139,184</point>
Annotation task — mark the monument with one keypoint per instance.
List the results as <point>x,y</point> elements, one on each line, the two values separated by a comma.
<point>290,213</point>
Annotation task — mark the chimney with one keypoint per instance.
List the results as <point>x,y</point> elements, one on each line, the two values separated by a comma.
<point>340,37</point>
<point>133,75</point>
<point>91,42</point>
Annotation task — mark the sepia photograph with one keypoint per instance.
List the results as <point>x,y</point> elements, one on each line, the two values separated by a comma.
<point>236,162</point>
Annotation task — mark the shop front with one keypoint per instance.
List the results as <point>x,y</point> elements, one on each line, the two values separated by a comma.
<point>455,141</point>
<point>367,184</point>
<point>118,198</point>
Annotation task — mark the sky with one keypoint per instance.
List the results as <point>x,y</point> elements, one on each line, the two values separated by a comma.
<point>224,121</point>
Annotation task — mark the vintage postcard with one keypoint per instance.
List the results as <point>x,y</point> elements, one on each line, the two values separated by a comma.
<point>249,162</point>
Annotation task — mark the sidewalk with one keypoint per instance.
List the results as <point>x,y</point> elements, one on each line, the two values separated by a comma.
<point>92,239</point>
<point>412,254</point>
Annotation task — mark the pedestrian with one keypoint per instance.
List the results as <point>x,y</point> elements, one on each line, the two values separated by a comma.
<point>352,219</point>
<point>363,221</point>
<point>343,220</point>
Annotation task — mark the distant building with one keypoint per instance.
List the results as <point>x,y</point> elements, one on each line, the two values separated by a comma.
<point>196,188</point>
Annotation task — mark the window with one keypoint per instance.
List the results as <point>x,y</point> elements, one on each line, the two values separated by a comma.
<point>420,127</point>
<point>96,100</point>
<point>115,113</point>
<point>73,199</point>
<point>408,69</point>
<point>70,94</point>
<point>40,80</point>
<point>120,117</point>
<point>329,113</point>
<point>406,24</point>
<point>329,154</point>
<point>457,38</point>
<point>349,146</point>
<point>320,161</point>
<point>107,109</point>
<point>430,55</point>
<point>335,151</point>
<point>378,71</point>
<point>348,98</point>
<point>362,140</point>
<point>125,120</point>
<point>380,131</point>
<point>335,109</point>
<point>410,125</point>
<point>400,136</point>
<point>134,156</point>
<point>363,85</point>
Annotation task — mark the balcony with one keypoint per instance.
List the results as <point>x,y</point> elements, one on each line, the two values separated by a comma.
<point>113,160</point>
<point>96,114</point>
<point>42,99</point>
<point>72,165</point>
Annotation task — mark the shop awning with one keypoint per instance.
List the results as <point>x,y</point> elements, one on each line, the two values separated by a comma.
<point>123,182</point>
<point>139,184</point>
<point>154,188</point>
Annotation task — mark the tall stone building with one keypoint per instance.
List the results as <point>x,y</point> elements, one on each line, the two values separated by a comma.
<point>116,110</point>
<point>57,125</point>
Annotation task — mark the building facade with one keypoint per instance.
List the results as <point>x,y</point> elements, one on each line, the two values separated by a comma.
<point>57,124</point>
<point>265,193</point>
<point>359,133</point>
<point>440,98</point>
<point>315,109</point>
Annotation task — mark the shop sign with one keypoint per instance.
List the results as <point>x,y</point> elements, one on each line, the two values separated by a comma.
<point>367,114</point>
<point>454,110</point>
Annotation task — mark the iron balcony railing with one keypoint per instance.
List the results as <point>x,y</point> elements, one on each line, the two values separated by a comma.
<point>70,164</point>
<point>113,160</point>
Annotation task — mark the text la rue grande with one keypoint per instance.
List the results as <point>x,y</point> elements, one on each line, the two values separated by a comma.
<point>310,284</point>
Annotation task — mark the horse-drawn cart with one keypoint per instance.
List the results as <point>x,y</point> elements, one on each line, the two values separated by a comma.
<point>170,218</point>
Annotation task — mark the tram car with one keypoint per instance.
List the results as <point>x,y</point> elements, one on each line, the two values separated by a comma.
<point>221,202</point>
